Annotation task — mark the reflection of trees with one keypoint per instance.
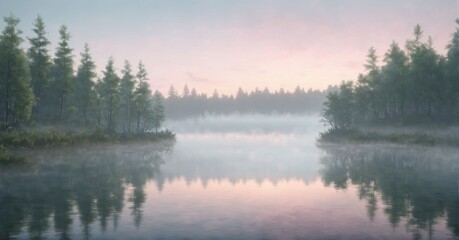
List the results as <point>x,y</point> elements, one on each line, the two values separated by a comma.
<point>138,180</point>
<point>64,181</point>
<point>419,186</point>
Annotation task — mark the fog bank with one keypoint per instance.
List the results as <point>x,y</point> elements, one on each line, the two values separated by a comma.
<point>248,123</point>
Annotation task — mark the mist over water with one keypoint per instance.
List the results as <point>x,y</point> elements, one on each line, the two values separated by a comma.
<point>253,123</point>
<point>226,138</point>
<point>268,147</point>
<point>234,177</point>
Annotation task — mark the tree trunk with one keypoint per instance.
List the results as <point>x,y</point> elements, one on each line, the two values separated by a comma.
<point>7,115</point>
<point>129,118</point>
<point>7,97</point>
<point>138,122</point>
<point>61,105</point>
<point>38,94</point>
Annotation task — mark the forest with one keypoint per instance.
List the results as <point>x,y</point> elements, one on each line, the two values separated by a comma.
<point>43,90</point>
<point>40,90</point>
<point>414,85</point>
<point>190,103</point>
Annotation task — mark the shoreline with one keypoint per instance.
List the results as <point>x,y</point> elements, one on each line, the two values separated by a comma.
<point>358,136</point>
<point>12,142</point>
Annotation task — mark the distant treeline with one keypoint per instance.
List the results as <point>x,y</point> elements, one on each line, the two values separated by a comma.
<point>190,103</point>
<point>37,89</point>
<point>413,85</point>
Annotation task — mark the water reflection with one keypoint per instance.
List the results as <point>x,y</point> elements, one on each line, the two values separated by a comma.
<point>243,157</point>
<point>62,182</point>
<point>413,185</point>
<point>233,186</point>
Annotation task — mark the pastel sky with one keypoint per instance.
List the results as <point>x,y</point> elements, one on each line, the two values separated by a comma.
<point>224,44</point>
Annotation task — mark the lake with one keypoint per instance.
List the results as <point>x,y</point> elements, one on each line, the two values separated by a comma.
<point>234,177</point>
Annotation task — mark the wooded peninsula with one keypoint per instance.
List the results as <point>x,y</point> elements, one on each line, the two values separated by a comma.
<point>44,101</point>
<point>415,86</point>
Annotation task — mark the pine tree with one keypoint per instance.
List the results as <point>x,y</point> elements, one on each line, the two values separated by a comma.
<point>395,73</point>
<point>158,110</point>
<point>142,96</point>
<point>110,94</point>
<point>39,61</point>
<point>452,71</point>
<point>63,71</point>
<point>417,86</point>
<point>172,93</point>
<point>127,97</point>
<point>339,107</point>
<point>84,91</point>
<point>186,91</point>
<point>16,94</point>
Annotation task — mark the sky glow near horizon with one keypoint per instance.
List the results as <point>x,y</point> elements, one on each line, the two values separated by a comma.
<point>226,44</point>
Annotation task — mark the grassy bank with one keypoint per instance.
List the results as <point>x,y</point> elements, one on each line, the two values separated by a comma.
<point>360,137</point>
<point>36,138</point>
<point>26,139</point>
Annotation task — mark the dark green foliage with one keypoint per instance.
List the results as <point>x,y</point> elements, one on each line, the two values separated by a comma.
<point>142,103</point>
<point>110,95</point>
<point>158,110</point>
<point>339,107</point>
<point>416,86</point>
<point>16,96</point>
<point>127,97</point>
<point>39,62</point>
<point>68,100</point>
<point>65,101</point>
<point>84,97</point>
<point>62,74</point>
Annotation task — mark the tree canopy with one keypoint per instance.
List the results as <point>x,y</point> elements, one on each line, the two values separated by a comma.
<point>413,85</point>
<point>62,97</point>
<point>16,94</point>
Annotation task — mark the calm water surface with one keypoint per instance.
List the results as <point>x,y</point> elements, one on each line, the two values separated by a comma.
<point>237,177</point>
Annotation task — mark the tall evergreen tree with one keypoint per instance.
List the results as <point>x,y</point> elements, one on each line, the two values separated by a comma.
<point>186,91</point>
<point>395,74</point>
<point>369,85</point>
<point>110,95</point>
<point>16,94</point>
<point>84,91</point>
<point>39,61</point>
<point>63,71</point>
<point>415,52</point>
<point>452,72</point>
<point>127,97</point>
<point>339,108</point>
<point>142,98</point>
<point>158,110</point>
<point>172,93</point>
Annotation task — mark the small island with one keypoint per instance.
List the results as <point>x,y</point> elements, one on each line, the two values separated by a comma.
<point>413,98</point>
